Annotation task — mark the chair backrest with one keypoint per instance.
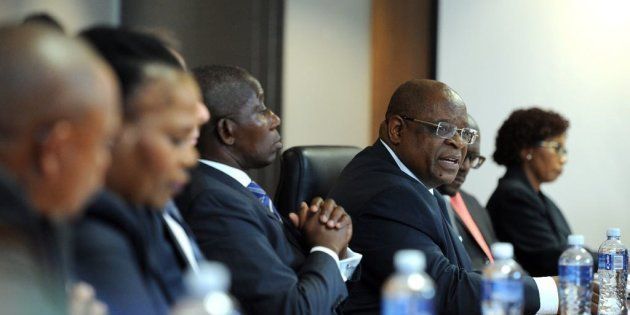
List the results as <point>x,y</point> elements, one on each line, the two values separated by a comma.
<point>309,171</point>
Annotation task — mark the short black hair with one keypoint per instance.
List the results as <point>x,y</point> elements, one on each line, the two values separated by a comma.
<point>524,129</point>
<point>128,44</point>
<point>45,19</point>
<point>224,89</point>
<point>129,53</point>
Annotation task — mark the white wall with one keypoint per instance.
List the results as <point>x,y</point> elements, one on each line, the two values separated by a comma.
<point>74,15</point>
<point>572,56</point>
<point>326,75</point>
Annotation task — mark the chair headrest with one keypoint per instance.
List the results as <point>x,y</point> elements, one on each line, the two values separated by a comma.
<point>309,171</point>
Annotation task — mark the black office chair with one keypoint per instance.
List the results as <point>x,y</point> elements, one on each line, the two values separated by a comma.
<point>309,171</point>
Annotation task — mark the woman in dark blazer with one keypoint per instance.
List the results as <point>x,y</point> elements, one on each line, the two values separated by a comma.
<point>122,247</point>
<point>531,144</point>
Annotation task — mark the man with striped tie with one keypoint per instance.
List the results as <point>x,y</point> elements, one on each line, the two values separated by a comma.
<point>294,265</point>
<point>467,216</point>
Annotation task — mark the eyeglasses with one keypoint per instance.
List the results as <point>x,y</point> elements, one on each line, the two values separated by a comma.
<point>475,160</point>
<point>447,131</point>
<point>558,148</point>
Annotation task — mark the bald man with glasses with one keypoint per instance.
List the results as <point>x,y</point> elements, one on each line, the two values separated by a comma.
<point>389,189</point>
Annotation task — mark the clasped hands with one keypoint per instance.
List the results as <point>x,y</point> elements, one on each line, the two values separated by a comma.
<point>324,223</point>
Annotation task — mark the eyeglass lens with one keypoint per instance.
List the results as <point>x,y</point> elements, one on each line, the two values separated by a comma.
<point>447,131</point>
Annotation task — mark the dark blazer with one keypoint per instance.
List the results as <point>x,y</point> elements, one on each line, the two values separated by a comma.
<point>482,219</point>
<point>271,272</point>
<point>391,211</point>
<point>124,253</point>
<point>530,221</point>
<point>32,252</point>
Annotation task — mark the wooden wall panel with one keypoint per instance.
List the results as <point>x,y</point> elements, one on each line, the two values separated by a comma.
<point>403,47</point>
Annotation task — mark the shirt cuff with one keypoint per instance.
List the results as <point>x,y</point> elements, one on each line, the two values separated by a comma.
<point>346,266</point>
<point>548,292</point>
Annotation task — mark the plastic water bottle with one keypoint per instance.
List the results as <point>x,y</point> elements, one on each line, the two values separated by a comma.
<point>502,283</point>
<point>207,292</point>
<point>612,270</point>
<point>409,291</point>
<point>575,270</point>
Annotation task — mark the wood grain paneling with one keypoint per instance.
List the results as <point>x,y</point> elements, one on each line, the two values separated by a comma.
<point>403,48</point>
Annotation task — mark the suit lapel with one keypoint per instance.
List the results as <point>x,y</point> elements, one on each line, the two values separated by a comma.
<point>435,202</point>
<point>463,260</point>
<point>289,232</point>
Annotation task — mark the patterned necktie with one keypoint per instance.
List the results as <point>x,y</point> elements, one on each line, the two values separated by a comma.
<point>462,212</point>
<point>262,196</point>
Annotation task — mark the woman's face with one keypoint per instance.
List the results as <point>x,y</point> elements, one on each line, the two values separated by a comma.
<point>548,159</point>
<point>155,152</point>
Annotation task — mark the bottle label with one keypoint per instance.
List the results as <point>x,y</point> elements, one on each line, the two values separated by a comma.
<point>407,305</point>
<point>505,291</point>
<point>580,275</point>
<point>612,261</point>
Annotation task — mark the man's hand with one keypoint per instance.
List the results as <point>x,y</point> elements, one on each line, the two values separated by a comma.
<point>83,301</point>
<point>330,214</point>
<point>318,229</point>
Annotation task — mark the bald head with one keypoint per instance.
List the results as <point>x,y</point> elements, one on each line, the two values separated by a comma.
<point>410,129</point>
<point>59,105</point>
<point>44,76</point>
<point>417,95</point>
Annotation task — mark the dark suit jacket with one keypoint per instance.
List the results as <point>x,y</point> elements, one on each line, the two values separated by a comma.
<point>530,221</point>
<point>392,211</point>
<point>271,273</point>
<point>123,252</point>
<point>482,219</point>
<point>32,264</point>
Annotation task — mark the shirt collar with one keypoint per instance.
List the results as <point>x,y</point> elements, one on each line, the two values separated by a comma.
<point>233,172</point>
<point>402,166</point>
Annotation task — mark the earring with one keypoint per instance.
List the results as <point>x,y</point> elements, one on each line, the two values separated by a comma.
<point>528,156</point>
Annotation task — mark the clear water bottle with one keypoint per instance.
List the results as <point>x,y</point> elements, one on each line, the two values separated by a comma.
<point>409,291</point>
<point>502,292</point>
<point>612,270</point>
<point>207,292</point>
<point>575,271</point>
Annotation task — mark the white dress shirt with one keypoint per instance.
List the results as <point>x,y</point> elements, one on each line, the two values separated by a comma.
<point>346,266</point>
<point>182,239</point>
<point>547,289</point>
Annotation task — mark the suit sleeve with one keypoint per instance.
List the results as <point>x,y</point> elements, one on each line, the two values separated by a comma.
<point>22,290</point>
<point>106,260</point>
<point>521,219</point>
<point>408,223</point>
<point>229,231</point>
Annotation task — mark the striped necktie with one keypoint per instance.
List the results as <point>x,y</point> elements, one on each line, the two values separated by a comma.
<point>262,196</point>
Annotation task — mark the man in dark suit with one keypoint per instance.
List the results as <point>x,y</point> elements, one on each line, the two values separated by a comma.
<point>235,222</point>
<point>389,189</point>
<point>467,216</point>
<point>59,106</point>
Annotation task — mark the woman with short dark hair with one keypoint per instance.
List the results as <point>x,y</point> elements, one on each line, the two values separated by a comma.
<point>531,144</point>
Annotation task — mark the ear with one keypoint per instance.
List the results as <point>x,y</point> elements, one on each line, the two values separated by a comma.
<point>225,130</point>
<point>395,128</point>
<point>53,148</point>
<point>526,154</point>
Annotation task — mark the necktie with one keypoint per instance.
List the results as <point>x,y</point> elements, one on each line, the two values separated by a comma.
<point>262,196</point>
<point>462,211</point>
